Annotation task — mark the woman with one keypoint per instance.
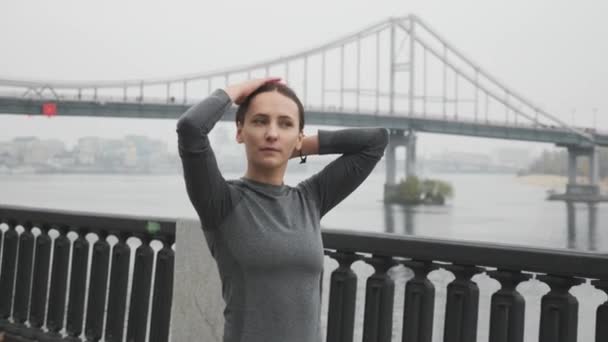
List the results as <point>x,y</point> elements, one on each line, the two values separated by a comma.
<point>264,235</point>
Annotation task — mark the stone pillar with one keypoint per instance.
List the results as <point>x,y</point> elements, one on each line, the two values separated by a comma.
<point>410,161</point>
<point>571,166</point>
<point>396,138</point>
<point>197,310</point>
<point>389,156</point>
<point>594,167</point>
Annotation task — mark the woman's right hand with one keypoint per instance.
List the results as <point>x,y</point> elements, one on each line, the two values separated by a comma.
<point>238,92</point>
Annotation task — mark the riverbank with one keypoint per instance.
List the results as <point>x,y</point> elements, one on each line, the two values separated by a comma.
<point>555,181</point>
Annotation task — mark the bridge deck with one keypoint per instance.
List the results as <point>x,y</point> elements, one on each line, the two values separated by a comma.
<point>419,123</point>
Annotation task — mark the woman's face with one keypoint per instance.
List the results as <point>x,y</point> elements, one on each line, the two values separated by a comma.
<point>270,130</point>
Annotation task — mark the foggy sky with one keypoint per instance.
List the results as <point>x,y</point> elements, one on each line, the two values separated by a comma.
<point>553,52</point>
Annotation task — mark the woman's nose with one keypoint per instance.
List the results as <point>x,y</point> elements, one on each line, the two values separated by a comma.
<point>272,132</point>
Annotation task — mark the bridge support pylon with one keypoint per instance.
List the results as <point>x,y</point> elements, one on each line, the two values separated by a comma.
<point>397,138</point>
<point>588,192</point>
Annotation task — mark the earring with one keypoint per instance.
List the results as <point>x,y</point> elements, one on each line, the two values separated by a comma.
<point>302,158</point>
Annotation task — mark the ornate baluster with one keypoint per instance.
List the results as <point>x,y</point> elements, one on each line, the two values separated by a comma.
<point>78,282</point>
<point>601,316</point>
<point>59,278</point>
<point>40,281</point>
<point>97,288</point>
<point>7,277</point>
<point>419,305</point>
<point>342,298</point>
<point>559,310</point>
<point>121,255</point>
<point>508,307</point>
<point>379,297</point>
<point>462,305</point>
<point>140,292</point>
<point>163,294</point>
<point>24,277</point>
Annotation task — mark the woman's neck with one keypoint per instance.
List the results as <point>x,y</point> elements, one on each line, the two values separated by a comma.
<point>268,176</point>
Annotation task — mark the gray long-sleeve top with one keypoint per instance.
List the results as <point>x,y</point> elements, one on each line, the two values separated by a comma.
<point>266,239</point>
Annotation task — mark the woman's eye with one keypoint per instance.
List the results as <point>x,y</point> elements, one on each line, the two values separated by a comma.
<point>286,124</point>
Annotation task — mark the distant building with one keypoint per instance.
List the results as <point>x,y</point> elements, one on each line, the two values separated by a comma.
<point>87,150</point>
<point>7,149</point>
<point>62,160</point>
<point>9,156</point>
<point>41,151</point>
<point>149,153</point>
<point>31,150</point>
<point>129,156</point>
<point>20,145</point>
<point>91,154</point>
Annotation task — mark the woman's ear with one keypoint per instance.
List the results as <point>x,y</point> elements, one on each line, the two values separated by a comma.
<point>300,140</point>
<point>239,133</point>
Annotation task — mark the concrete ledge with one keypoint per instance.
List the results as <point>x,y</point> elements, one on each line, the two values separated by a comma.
<point>197,310</point>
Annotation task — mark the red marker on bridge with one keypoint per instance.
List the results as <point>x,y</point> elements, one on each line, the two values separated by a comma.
<point>49,109</point>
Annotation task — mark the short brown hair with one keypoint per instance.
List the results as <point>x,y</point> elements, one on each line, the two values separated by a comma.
<point>270,86</point>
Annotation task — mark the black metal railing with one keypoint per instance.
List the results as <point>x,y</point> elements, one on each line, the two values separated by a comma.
<point>55,285</point>
<point>509,265</point>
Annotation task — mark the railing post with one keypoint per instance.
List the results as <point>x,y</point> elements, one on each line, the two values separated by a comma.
<point>121,255</point>
<point>342,298</point>
<point>601,315</point>
<point>507,313</point>
<point>9,256</point>
<point>559,310</point>
<point>97,288</point>
<point>163,294</point>
<point>78,281</point>
<point>23,277</point>
<point>59,277</point>
<point>462,305</point>
<point>419,303</point>
<point>140,292</point>
<point>379,298</point>
<point>40,280</point>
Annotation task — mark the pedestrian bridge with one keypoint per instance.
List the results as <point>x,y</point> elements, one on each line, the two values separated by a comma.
<point>398,73</point>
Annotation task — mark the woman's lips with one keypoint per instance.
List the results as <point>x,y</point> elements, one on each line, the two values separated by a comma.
<point>269,149</point>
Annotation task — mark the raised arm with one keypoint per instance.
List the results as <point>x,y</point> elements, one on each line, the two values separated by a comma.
<point>205,185</point>
<point>361,149</point>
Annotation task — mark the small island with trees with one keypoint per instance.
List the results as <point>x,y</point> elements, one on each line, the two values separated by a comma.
<point>415,191</point>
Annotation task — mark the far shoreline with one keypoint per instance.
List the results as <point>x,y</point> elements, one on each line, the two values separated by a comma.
<point>556,182</point>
